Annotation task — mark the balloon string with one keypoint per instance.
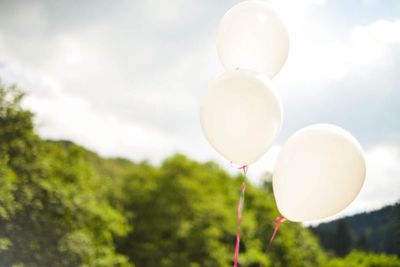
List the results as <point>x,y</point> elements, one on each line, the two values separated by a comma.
<point>278,221</point>
<point>240,210</point>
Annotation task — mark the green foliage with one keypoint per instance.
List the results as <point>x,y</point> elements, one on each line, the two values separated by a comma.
<point>51,211</point>
<point>362,259</point>
<point>184,214</point>
<point>8,204</point>
<point>343,239</point>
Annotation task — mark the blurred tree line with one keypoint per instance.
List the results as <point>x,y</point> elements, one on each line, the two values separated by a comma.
<point>61,205</point>
<point>376,231</point>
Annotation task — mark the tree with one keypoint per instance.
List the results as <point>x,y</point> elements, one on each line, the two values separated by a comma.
<point>343,241</point>
<point>184,214</point>
<point>51,211</point>
<point>362,243</point>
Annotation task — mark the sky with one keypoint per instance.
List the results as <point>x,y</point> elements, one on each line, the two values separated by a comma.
<point>124,78</point>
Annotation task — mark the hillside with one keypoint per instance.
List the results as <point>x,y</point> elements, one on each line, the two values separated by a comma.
<point>377,231</point>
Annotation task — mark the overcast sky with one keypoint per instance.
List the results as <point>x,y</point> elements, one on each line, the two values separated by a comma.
<point>124,78</point>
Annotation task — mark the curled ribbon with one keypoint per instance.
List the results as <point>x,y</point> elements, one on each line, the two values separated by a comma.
<point>280,219</point>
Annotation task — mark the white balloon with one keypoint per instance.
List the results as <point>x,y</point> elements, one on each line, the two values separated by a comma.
<point>241,115</point>
<point>320,171</point>
<point>252,36</point>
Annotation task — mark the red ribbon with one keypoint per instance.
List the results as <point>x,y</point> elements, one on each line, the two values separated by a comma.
<point>239,210</point>
<point>280,219</point>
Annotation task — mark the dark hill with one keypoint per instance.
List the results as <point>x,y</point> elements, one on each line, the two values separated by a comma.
<point>377,231</point>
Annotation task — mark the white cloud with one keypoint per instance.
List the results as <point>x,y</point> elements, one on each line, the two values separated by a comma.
<point>318,55</point>
<point>383,177</point>
<point>368,3</point>
<point>64,116</point>
<point>348,79</point>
